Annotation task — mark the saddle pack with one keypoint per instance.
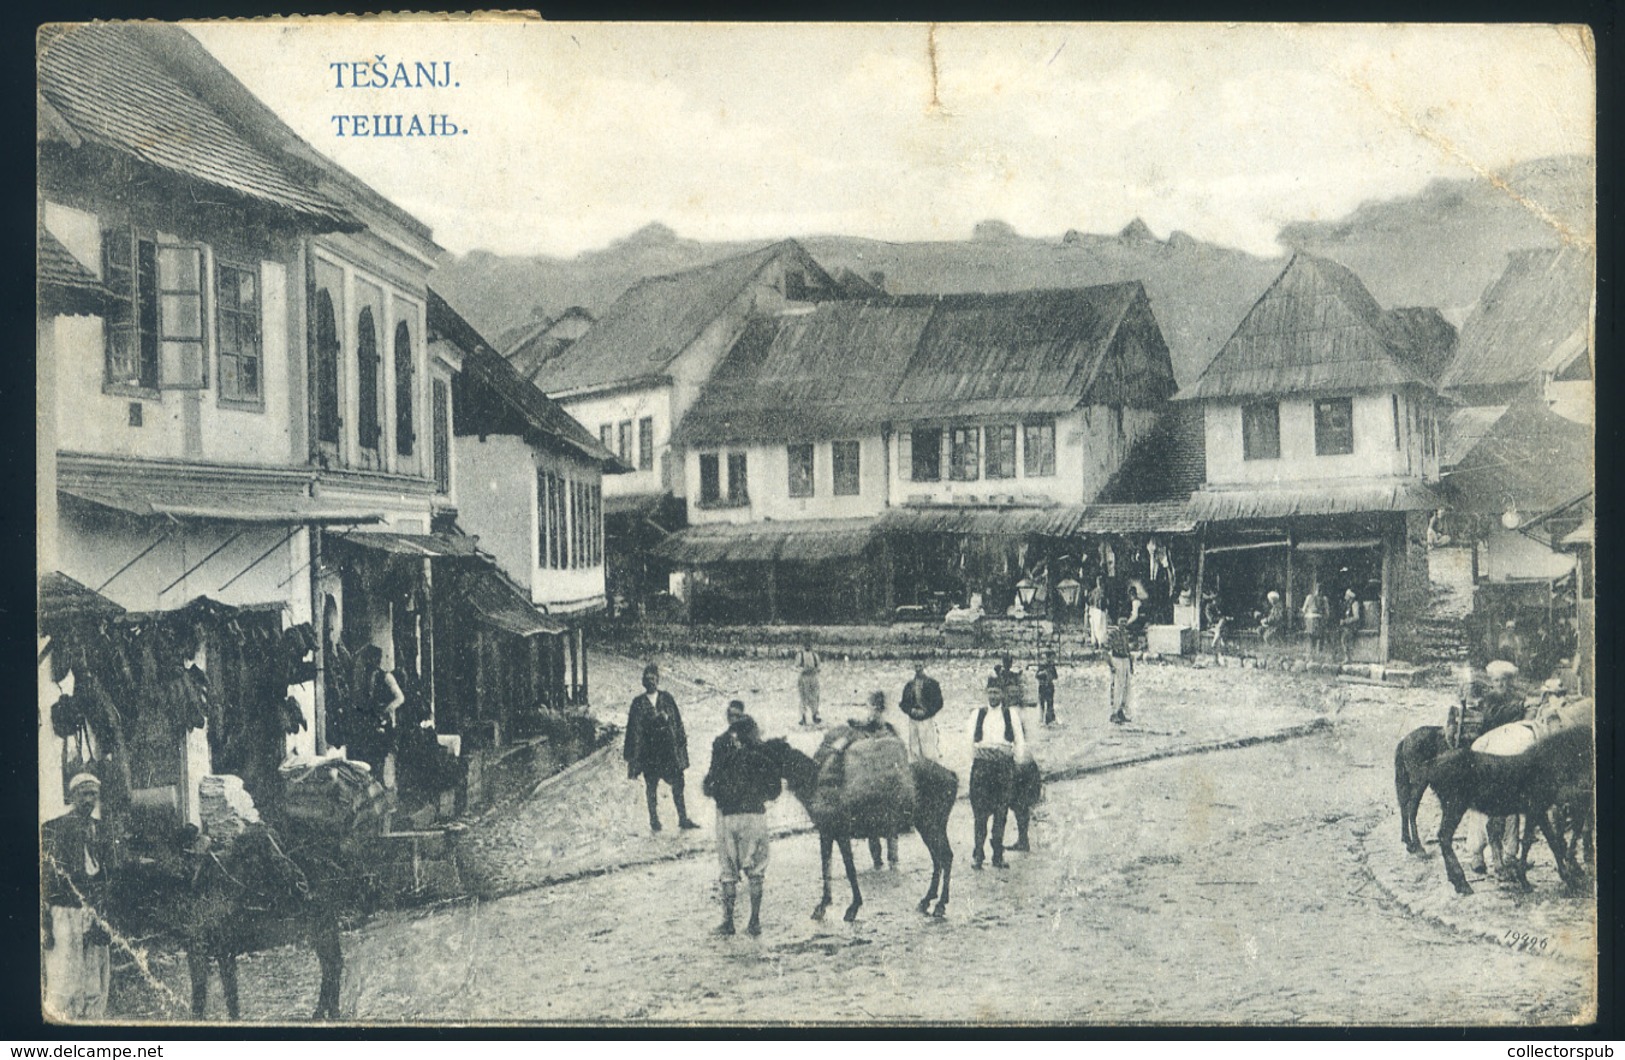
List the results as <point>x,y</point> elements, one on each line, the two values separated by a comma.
<point>865,784</point>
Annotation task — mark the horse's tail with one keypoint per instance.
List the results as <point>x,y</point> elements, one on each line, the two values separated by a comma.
<point>1402,775</point>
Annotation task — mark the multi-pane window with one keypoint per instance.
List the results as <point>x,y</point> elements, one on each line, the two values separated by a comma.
<point>710,479</point>
<point>646,443</point>
<point>327,369</point>
<point>155,322</point>
<point>801,470</point>
<point>367,365</point>
<point>237,333</point>
<point>925,456</point>
<point>844,461</point>
<point>1334,426</point>
<point>1001,451</point>
<point>441,394</point>
<point>623,441</point>
<point>404,427</point>
<point>569,522</point>
<point>1038,443</point>
<point>738,490</point>
<point>964,454</point>
<point>1261,431</point>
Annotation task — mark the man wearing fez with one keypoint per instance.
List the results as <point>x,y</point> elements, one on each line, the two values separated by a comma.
<point>73,899</point>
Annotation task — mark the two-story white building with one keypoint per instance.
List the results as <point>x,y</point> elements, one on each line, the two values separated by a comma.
<point>633,375</point>
<point>873,453</point>
<point>530,492</point>
<point>244,439</point>
<point>1322,442</point>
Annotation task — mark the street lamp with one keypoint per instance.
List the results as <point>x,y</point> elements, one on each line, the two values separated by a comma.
<point>1069,589</point>
<point>1026,589</point>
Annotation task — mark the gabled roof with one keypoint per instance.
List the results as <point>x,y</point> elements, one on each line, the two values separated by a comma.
<point>62,599</point>
<point>65,285</point>
<point>1316,328</point>
<point>111,86</point>
<point>1168,463</point>
<point>656,319</point>
<point>1531,459</point>
<point>1542,299</point>
<point>851,365</point>
<point>500,387</point>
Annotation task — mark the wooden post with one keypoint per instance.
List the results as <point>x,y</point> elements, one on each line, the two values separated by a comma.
<point>318,621</point>
<point>585,694</point>
<point>1201,574</point>
<point>1288,600</point>
<point>888,578</point>
<point>1387,590</point>
<point>772,592</point>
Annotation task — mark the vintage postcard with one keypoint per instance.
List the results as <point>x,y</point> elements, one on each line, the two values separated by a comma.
<point>816,523</point>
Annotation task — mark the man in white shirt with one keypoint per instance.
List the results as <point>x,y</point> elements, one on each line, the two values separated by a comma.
<point>997,740</point>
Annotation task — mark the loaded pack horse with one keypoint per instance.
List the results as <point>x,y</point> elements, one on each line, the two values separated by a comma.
<point>936,788</point>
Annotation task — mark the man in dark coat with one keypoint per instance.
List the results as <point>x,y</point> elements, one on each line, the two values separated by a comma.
<point>657,746</point>
<point>742,781</point>
<point>922,702</point>
<point>73,902</point>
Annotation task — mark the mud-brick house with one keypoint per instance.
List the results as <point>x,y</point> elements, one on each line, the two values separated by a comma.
<point>1321,418</point>
<point>632,376</point>
<point>913,452</point>
<point>514,642</point>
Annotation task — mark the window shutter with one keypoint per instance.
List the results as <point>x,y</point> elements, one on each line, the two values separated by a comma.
<point>181,363</point>
<point>905,455</point>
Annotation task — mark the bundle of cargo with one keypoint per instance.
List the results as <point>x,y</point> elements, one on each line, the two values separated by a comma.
<point>332,797</point>
<point>865,786</point>
<point>225,808</point>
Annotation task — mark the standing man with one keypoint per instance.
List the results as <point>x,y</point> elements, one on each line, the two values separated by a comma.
<point>997,739</point>
<point>741,780</point>
<point>921,702</point>
<point>1314,615</point>
<point>1118,655</point>
<point>1348,623</point>
<point>74,899</point>
<point>1046,686</point>
<point>657,747</point>
<point>807,683</point>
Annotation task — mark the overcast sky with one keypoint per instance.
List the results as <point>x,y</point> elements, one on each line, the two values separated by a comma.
<point>579,134</point>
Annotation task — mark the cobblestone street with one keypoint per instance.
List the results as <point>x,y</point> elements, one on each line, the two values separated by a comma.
<point>1270,874</point>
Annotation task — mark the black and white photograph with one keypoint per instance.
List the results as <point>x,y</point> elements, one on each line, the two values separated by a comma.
<point>815,524</point>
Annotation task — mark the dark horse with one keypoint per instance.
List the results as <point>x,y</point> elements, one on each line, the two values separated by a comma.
<point>1530,783</point>
<point>936,789</point>
<point>1415,753</point>
<point>250,895</point>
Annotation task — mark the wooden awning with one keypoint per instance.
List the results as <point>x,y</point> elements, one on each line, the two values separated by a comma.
<point>801,541</point>
<point>1216,505</point>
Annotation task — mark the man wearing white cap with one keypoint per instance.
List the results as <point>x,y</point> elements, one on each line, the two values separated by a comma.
<point>72,900</point>
<point>1498,706</point>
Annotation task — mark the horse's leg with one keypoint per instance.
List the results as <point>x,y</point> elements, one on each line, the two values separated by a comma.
<point>1450,814</point>
<point>930,841</point>
<point>1408,799</point>
<point>852,878</point>
<point>947,859</point>
<point>1569,877</point>
<point>228,983</point>
<point>329,947</point>
<point>197,964</point>
<point>874,850</point>
<point>825,845</point>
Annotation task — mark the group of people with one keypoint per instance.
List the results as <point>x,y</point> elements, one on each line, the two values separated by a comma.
<point>1005,779</point>
<point>1318,619</point>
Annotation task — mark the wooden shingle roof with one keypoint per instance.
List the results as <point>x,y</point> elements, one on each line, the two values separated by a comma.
<point>65,285</point>
<point>853,365</point>
<point>503,393</point>
<point>1316,328</point>
<point>656,319</point>
<point>1542,298</point>
<point>109,86</point>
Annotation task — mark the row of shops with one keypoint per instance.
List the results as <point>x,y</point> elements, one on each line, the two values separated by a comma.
<point>1055,563</point>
